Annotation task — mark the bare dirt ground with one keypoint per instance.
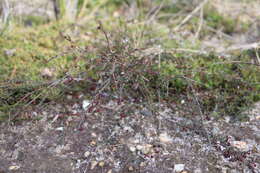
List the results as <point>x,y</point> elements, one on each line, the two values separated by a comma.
<point>112,140</point>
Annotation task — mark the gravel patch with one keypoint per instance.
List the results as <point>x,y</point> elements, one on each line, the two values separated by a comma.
<point>126,137</point>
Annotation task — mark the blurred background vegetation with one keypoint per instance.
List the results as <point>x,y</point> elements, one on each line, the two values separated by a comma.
<point>195,42</point>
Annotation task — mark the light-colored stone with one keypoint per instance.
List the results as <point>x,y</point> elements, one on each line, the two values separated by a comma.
<point>101,164</point>
<point>69,97</point>
<point>197,170</point>
<point>132,148</point>
<point>85,104</point>
<point>93,143</point>
<point>179,167</point>
<point>93,164</point>
<point>165,138</point>
<point>147,148</point>
<point>59,128</point>
<point>142,164</point>
<point>87,153</point>
<point>130,168</point>
<point>241,145</point>
<point>47,72</point>
<point>14,167</point>
<point>139,147</point>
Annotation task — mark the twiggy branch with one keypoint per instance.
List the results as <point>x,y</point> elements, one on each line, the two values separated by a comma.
<point>100,27</point>
<point>200,24</point>
<point>201,114</point>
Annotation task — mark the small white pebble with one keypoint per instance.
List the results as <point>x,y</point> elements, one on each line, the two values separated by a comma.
<point>128,128</point>
<point>69,97</point>
<point>227,119</point>
<point>87,153</point>
<point>74,112</point>
<point>241,145</point>
<point>132,148</point>
<point>139,147</point>
<point>85,104</point>
<point>130,168</point>
<point>197,170</point>
<point>46,72</point>
<point>93,164</point>
<point>179,167</point>
<point>93,143</point>
<point>101,164</point>
<point>93,134</point>
<point>142,164</point>
<point>165,138</point>
<point>14,167</point>
<point>60,129</point>
<point>147,149</point>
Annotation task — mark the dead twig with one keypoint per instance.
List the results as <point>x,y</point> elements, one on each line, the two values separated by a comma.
<point>257,56</point>
<point>237,62</point>
<point>100,27</point>
<point>188,51</point>
<point>219,32</point>
<point>200,24</point>
<point>154,12</point>
<point>241,47</point>
<point>187,18</point>
<point>201,114</point>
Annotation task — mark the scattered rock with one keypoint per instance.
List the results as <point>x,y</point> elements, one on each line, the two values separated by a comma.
<point>93,143</point>
<point>142,164</point>
<point>179,167</point>
<point>197,170</point>
<point>132,148</point>
<point>93,164</point>
<point>85,104</point>
<point>47,72</point>
<point>101,164</point>
<point>241,145</point>
<point>13,167</point>
<point>59,129</point>
<point>18,155</point>
<point>69,97</point>
<point>165,138</point>
<point>104,138</point>
<point>130,168</point>
<point>87,153</point>
<point>144,148</point>
<point>146,112</point>
<point>139,147</point>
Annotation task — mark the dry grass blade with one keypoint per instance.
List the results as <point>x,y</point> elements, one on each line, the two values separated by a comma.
<point>241,47</point>
<point>188,17</point>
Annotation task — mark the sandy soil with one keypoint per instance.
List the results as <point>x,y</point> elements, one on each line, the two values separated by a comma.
<point>127,137</point>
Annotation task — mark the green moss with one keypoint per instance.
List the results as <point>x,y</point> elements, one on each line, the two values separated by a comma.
<point>228,86</point>
<point>34,20</point>
<point>222,86</point>
<point>217,21</point>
